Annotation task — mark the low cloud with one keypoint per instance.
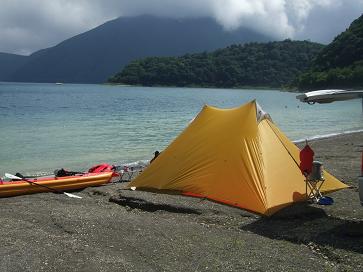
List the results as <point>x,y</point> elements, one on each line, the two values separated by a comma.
<point>30,25</point>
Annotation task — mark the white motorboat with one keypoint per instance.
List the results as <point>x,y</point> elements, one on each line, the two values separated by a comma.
<point>328,96</point>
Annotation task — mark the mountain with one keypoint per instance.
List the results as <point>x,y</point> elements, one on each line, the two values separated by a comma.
<point>9,63</point>
<point>339,64</point>
<point>273,64</point>
<point>93,56</point>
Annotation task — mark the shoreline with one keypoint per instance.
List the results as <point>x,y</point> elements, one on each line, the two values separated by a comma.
<point>326,136</point>
<point>144,162</point>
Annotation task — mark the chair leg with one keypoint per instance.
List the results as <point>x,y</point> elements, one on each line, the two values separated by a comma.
<point>314,190</point>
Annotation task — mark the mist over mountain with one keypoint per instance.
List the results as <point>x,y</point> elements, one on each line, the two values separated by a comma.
<point>93,56</point>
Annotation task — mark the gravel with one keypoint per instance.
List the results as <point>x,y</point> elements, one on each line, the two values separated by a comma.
<point>113,229</point>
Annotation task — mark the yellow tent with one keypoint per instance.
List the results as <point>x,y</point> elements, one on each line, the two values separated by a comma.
<point>233,156</point>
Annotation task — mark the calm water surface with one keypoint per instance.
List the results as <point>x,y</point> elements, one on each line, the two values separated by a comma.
<point>48,126</point>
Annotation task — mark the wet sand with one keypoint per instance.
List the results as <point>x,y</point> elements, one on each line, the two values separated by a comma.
<point>111,229</point>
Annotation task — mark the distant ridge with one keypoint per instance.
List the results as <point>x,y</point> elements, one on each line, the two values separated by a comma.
<point>93,56</point>
<point>9,63</point>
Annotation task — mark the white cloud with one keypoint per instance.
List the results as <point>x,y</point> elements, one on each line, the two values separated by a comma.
<point>265,16</point>
<point>30,25</point>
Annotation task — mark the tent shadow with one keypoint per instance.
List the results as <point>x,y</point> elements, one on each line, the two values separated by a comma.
<point>304,224</point>
<point>141,204</point>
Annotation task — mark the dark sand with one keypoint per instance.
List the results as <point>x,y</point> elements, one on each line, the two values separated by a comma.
<point>111,229</point>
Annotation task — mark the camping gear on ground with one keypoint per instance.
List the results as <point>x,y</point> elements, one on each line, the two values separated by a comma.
<point>234,156</point>
<point>314,181</point>
<point>306,159</point>
<point>325,200</point>
<point>126,176</point>
<point>99,168</point>
<point>313,172</point>
<point>64,173</point>
<point>103,168</point>
<point>46,184</point>
<point>128,172</point>
<point>316,171</point>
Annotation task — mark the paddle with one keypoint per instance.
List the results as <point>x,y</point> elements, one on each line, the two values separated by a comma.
<point>10,176</point>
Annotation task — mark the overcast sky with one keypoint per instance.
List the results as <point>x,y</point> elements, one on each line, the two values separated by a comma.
<point>29,25</point>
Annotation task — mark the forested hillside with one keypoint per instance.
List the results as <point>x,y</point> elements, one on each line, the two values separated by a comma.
<point>340,64</point>
<point>272,64</point>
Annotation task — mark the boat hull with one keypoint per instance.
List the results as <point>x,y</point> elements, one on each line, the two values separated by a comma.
<point>328,96</point>
<point>69,183</point>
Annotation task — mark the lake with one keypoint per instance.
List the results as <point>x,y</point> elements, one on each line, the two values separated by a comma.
<point>74,126</point>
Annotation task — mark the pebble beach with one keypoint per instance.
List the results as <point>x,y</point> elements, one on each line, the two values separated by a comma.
<point>113,229</point>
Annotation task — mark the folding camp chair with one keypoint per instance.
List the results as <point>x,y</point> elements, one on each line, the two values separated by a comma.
<point>314,181</point>
<point>127,174</point>
<point>313,172</point>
